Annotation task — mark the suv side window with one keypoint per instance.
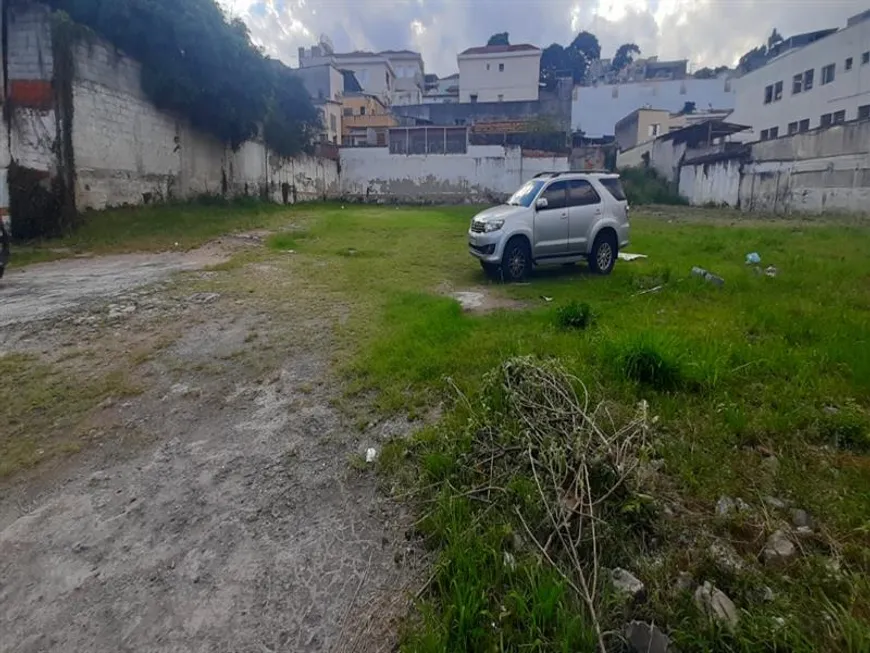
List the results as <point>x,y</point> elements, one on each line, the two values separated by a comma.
<point>581,193</point>
<point>556,195</point>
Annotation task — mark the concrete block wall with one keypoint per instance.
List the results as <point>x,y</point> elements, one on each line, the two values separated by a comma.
<point>825,170</point>
<point>716,182</point>
<point>485,173</point>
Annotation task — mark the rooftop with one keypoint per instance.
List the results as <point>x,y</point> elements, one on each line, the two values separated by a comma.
<point>499,49</point>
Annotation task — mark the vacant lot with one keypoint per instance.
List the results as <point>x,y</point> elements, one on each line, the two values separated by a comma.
<point>746,468</point>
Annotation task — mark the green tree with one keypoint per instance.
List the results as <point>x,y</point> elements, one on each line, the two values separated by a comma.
<point>198,65</point>
<point>624,56</point>
<point>502,38</point>
<point>587,43</point>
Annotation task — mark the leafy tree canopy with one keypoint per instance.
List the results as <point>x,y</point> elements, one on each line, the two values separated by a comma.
<point>624,55</point>
<point>573,60</point>
<point>502,38</point>
<point>199,65</point>
<point>587,43</point>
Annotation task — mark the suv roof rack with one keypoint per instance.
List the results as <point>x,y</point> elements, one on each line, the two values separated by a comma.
<point>574,172</point>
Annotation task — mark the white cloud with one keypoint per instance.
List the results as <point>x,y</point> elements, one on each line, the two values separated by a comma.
<point>708,32</point>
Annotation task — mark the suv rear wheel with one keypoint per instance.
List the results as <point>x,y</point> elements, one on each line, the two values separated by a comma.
<point>602,258</point>
<point>516,262</point>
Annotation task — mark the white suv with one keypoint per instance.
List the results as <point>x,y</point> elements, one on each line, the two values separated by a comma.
<point>557,217</point>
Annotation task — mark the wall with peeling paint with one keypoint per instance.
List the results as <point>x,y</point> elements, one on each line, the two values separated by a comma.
<point>125,150</point>
<point>485,173</point>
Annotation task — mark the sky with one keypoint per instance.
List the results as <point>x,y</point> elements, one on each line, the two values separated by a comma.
<point>707,32</point>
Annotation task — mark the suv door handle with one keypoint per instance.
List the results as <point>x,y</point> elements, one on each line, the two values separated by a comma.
<point>597,211</point>
<point>564,216</point>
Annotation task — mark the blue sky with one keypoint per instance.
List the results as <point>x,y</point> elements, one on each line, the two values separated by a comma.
<point>707,32</point>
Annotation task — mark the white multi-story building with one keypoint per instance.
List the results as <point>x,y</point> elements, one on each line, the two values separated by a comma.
<point>394,76</point>
<point>499,73</point>
<point>595,110</point>
<point>410,76</point>
<point>823,83</point>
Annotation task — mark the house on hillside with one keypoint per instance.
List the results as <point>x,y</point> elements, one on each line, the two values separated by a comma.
<point>500,73</point>
<point>325,86</point>
<point>365,120</point>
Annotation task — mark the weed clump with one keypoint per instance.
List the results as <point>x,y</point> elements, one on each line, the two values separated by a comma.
<point>648,361</point>
<point>575,315</point>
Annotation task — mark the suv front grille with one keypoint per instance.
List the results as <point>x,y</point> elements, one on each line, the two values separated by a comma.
<point>478,227</point>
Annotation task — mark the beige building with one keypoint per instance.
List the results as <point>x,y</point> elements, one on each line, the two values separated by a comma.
<point>499,73</point>
<point>646,124</point>
<point>365,120</point>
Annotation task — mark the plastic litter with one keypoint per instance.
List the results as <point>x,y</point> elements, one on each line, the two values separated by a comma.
<point>708,276</point>
<point>625,256</point>
<point>371,455</point>
<point>771,271</point>
<point>753,258</point>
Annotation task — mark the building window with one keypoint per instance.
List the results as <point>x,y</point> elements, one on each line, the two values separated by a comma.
<point>500,97</point>
<point>764,134</point>
<point>864,112</point>
<point>797,83</point>
<point>808,79</point>
<point>825,120</point>
<point>333,123</point>
<point>362,111</point>
<point>865,58</point>
<point>768,94</point>
<point>805,125</point>
<point>654,129</point>
<point>501,68</point>
<point>348,112</point>
<point>839,117</point>
<point>849,63</point>
<point>473,98</point>
<point>774,132</point>
<point>487,66</point>
<point>828,73</point>
<point>777,91</point>
<point>792,128</point>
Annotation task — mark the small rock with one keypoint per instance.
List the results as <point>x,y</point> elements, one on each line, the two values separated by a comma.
<point>645,638</point>
<point>716,604</point>
<point>779,621</point>
<point>98,477</point>
<point>778,549</point>
<point>79,547</point>
<point>774,502</point>
<point>804,531</point>
<point>801,518</point>
<point>129,309</point>
<point>725,557</point>
<point>726,505</point>
<point>626,583</point>
<point>767,595</point>
<point>371,455</point>
<point>685,582</point>
<point>771,465</point>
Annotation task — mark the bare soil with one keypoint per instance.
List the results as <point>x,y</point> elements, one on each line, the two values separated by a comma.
<point>216,510</point>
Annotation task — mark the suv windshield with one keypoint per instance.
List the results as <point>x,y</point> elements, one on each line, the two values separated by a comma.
<point>525,195</point>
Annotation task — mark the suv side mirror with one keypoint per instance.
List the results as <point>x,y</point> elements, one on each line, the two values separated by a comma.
<point>541,203</point>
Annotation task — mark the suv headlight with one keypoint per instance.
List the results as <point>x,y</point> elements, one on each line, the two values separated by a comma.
<point>492,225</point>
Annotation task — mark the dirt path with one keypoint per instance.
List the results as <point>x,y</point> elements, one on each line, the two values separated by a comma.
<point>240,526</point>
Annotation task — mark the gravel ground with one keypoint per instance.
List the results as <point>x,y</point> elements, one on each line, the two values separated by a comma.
<point>238,525</point>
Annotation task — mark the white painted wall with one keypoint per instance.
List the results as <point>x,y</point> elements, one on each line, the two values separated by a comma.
<point>486,172</point>
<point>480,74</point>
<point>717,183</point>
<point>596,109</point>
<point>849,90</point>
<point>375,75</point>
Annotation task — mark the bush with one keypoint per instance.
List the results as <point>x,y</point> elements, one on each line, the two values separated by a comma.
<point>576,315</point>
<point>646,186</point>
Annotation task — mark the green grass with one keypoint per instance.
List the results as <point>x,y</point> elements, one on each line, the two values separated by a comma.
<point>764,364</point>
<point>729,372</point>
<point>152,228</point>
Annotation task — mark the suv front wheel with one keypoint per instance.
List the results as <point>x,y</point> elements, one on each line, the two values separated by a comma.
<point>602,258</point>
<point>516,262</point>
